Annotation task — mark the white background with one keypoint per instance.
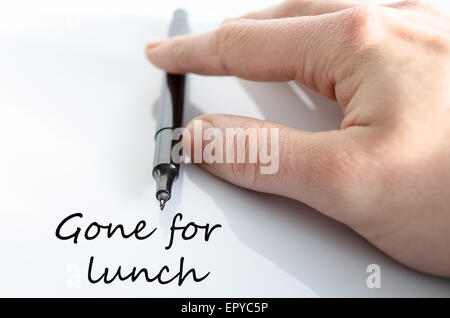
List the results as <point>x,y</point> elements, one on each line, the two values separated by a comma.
<point>76,135</point>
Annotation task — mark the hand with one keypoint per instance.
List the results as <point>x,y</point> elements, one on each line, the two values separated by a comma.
<point>386,172</point>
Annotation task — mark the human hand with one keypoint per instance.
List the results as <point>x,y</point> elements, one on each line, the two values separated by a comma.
<point>386,172</point>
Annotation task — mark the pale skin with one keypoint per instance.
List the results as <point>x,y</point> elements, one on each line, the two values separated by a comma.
<point>386,172</point>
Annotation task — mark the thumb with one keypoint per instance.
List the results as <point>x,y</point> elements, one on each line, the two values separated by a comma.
<point>315,168</point>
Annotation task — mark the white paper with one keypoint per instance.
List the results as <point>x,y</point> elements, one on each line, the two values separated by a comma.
<point>76,136</point>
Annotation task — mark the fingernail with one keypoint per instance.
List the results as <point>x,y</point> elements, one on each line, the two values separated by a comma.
<point>154,43</point>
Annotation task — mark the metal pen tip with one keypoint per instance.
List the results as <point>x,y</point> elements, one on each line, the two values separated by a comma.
<point>162,197</point>
<point>162,204</point>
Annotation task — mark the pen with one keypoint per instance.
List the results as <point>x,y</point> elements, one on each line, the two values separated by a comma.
<point>170,117</point>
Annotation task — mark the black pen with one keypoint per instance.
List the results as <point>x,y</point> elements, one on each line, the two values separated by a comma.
<point>170,117</point>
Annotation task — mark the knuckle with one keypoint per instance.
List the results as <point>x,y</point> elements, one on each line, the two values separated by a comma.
<point>291,7</point>
<point>416,5</point>
<point>181,53</point>
<point>363,24</point>
<point>245,173</point>
<point>412,4</point>
<point>228,31</point>
<point>246,142</point>
<point>438,43</point>
<point>227,38</point>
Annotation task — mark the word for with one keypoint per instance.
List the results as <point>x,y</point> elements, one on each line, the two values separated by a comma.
<point>185,230</point>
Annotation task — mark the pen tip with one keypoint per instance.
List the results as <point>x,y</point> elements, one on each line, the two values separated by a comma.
<point>162,204</point>
<point>162,197</point>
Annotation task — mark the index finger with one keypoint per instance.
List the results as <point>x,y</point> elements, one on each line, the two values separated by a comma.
<point>302,48</point>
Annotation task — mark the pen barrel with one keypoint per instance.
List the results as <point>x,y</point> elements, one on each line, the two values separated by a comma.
<point>171,102</point>
<point>170,117</point>
<point>179,23</point>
